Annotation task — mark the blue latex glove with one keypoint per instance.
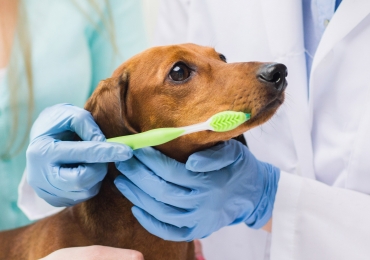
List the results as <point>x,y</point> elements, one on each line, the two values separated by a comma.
<point>65,172</point>
<point>217,187</point>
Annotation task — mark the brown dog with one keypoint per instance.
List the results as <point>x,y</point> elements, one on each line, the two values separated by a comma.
<point>166,86</point>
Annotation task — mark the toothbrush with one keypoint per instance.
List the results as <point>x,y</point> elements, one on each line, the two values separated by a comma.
<point>220,122</point>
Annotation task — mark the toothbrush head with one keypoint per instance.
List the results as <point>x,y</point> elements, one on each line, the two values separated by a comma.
<point>227,120</point>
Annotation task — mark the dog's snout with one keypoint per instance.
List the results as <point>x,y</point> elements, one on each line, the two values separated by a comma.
<point>274,74</point>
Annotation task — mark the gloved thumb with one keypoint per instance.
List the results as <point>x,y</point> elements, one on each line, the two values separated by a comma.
<point>216,157</point>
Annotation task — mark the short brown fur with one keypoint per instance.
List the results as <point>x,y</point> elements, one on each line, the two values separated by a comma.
<point>140,96</point>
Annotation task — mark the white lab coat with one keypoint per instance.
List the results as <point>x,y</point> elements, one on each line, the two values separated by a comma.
<point>321,134</point>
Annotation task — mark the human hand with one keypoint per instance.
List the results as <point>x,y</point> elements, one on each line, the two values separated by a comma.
<point>198,250</point>
<point>65,172</point>
<point>94,253</point>
<point>217,187</point>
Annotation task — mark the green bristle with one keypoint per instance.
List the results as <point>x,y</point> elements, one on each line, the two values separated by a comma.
<point>228,120</point>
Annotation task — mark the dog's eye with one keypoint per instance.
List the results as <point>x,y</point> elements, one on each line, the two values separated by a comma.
<point>179,72</point>
<point>222,57</point>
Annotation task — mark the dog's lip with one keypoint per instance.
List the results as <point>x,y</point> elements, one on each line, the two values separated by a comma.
<point>277,101</point>
<point>272,103</point>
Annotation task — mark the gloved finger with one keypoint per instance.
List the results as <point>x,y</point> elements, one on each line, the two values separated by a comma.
<point>91,152</point>
<point>159,189</point>
<point>66,117</point>
<point>167,168</point>
<point>161,211</point>
<point>216,157</point>
<point>160,229</point>
<point>57,201</point>
<point>76,179</point>
<point>85,126</point>
<point>65,152</point>
<point>76,197</point>
<point>52,199</point>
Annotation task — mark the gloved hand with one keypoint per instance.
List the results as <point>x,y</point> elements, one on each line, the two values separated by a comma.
<point>217,187</point>
<point>65,172</point>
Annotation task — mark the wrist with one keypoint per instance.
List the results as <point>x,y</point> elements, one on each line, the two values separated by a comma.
<point>268,226</point>
<point>262,213</point>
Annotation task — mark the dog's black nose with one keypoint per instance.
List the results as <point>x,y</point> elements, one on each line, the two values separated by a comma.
<point>274,74</point>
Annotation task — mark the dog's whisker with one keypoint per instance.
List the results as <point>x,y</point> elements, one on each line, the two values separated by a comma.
<point>272,123</point>
<point>213,42</point>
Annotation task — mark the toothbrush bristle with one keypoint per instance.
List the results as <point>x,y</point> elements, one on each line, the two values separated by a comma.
<point>228,120</point>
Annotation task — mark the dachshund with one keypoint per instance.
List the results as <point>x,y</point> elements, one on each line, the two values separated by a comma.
<point>165,86</point>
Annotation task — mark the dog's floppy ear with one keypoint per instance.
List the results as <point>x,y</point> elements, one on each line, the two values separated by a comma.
<point>107,106</point>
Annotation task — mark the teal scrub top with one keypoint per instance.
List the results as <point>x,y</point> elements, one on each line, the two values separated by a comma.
<point>71,53</point>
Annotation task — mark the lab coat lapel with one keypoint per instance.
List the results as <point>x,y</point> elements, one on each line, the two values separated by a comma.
<point>358,176</point>
<point>349,14</point>
<point>284,28</point>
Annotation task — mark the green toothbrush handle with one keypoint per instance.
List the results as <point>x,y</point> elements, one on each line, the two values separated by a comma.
<point>149,138</point>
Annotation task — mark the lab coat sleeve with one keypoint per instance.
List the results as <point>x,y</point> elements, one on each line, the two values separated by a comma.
<point>172,27</point>
<point>314,221</point>
<point>31,204</point>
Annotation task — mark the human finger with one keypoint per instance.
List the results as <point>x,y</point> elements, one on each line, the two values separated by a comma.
<point>167,168</point>
<point>154,186</point>
<point>67,152</point>
<point>76,179</point>
<point>63,201</point>
<point>66,117</point>
<point>215,158</point>
<point>166,213</point>
<point>95,252</point>
<point>160,229</point>
<point>198,250</point>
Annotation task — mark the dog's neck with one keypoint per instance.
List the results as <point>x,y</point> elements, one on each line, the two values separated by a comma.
<point>180,149</point>
<point>108,217</point>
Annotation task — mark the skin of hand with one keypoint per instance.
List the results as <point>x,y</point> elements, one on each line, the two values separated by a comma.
<point>94,253</point>
<point>216,187</point>
<point>198,250</point>
<point>268,226</point>
<point>62,171</point>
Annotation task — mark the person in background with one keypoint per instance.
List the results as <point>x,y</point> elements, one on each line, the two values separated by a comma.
<point>54,52</point>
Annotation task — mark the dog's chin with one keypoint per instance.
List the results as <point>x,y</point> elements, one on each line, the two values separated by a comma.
<point>265,112</point>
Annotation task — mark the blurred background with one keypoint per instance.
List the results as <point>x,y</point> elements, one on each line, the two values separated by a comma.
<point>150,12</point>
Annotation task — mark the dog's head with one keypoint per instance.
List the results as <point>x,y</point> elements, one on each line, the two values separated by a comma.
<point>181,85</point>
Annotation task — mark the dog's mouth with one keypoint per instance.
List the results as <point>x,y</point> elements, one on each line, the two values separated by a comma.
<point>269,109</point>
<point>271,106</point>
<point>265,111</point>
